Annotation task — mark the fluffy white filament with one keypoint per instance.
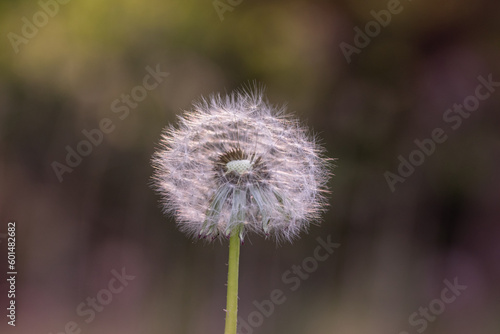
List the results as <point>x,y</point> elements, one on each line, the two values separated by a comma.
<point>238,163</point>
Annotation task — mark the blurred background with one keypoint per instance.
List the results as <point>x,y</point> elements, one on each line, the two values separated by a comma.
<point>66,69</point>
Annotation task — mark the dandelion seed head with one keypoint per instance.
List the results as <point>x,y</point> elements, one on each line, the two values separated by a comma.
<point>238,163</point>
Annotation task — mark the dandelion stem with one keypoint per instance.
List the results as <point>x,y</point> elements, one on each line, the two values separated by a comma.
<point>232,283</point>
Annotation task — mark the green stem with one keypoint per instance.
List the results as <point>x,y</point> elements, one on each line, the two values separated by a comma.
<point>232,283</point>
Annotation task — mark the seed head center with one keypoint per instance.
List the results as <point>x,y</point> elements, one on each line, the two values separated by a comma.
<point>239,166</point>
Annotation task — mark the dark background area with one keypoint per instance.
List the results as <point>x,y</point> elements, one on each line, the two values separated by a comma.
<point>396,247</point>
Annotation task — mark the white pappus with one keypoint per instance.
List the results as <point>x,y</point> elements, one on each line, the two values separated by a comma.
<point>236,164</point>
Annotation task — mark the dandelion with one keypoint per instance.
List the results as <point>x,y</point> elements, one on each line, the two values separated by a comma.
<point>236,165</point>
